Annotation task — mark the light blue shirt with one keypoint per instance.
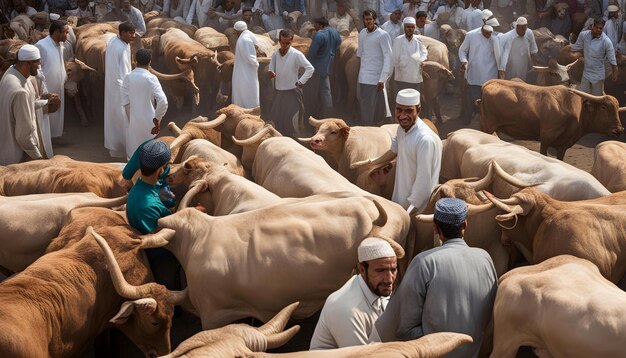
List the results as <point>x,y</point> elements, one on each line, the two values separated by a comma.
<point>596,52</point>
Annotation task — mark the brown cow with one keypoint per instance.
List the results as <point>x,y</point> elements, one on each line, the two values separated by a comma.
<point>61,174</point>
<point>542,227</point>
<point>609,165</point>
<point>558,116</point>
<point>58,304</point>
<point>435,78</point>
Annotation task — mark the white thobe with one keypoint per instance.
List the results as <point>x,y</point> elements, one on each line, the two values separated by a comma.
<point>348,316</point>
<point>43,119</point>
<point>612,29</point>
<point>117,66</point>
<point>472,19</point>
<point>480,54</point>
<point>53,69</point>
<point>407,57</point>
<point>245,73</point>
<point>374,50</point>
<point>418,165</point>
<point>516,51</point>
<point>394,30</point>
<point>139,90</point>
<point>456,14</point>
<point>18,120</point>
<point>431,30</point>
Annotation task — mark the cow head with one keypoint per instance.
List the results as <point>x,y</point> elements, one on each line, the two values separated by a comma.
<point>76,71</point>
<point>197,174</point>
<point>561,10</point>
<point>599,114</point>
<point>331,135</point>
<point>453,38</point>
<point>191,170</point>
<point>225,70</point>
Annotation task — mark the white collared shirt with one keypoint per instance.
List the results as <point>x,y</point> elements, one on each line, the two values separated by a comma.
<point>596,52</point>
<point>394,30</point>
<point>287,67</point>
<point>348,316</point>
<point>479,54</point>
<point>407,57</point>
<point>511,46</point>
<point>375,53</point>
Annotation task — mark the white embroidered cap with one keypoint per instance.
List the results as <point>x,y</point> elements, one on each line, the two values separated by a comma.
<point>240,26</point>
<point>373,248</point>
<point>28,53</point>
<point>408,97</point>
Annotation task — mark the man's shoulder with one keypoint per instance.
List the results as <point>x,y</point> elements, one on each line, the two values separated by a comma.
<point>348,296</point>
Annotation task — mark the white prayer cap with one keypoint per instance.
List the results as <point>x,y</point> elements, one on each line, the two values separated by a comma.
<point>240,26</point>
<point>373,248</point>
<point>408,97</point>
<point>521,21</point>
<point>488,28</point>
<point>54,16</point>
<point>492,22</point>
<point>487,14</point>
<point>613,8</point>
<point>28,53</point>
<point>409,20</point>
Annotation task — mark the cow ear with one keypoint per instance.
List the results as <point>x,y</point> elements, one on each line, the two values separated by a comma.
<point>345,132</point>
<point>143,305</point>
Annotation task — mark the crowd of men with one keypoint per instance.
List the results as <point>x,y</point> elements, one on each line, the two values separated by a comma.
<point>390,53</point>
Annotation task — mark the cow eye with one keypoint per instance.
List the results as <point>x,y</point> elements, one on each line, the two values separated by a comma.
<point>603,107</point>
<point>333,132</point>
<point>155,323</point>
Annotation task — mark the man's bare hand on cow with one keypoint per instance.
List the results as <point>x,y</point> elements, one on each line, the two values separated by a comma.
<point>157,127</point>
<point>271,74</point>
<point>501,74</point>
<point>614,74</point>
<point>464,66</point>
<point>380,86</point>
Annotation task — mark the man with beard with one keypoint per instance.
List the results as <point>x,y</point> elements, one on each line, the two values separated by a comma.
<point>349,313</point>
<point>450,288</point>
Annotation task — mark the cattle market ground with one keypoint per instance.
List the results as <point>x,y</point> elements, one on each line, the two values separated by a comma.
<point>86,143</point>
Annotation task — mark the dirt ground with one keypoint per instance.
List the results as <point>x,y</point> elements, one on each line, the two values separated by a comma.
<point>86,143</point>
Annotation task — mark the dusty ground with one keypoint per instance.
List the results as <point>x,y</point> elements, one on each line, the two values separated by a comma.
<point>86,143</point>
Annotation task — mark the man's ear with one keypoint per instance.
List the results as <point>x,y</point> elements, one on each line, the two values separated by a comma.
<point>361,269</point>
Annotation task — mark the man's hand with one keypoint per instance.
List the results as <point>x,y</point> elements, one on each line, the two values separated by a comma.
<point>157,127</point>
<point>127,185</point>
<point>614,74</point>
<point>464,66</point>
<point>380,86</point>
<point>501,75</point>
<point>299,85</point>
<point>271,74</point>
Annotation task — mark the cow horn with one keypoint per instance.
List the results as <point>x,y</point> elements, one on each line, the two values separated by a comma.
<point>254,139</point>
<point>317,122</point>
<point>195,188</point>
<point>473,209</point>
<point>485,181</point>
<point>278,322</point>
<point>180,141</point>
<point>166,77</point>
<point>278,339</point>
<point>586,95</point>
<point>84,66</point>
<point>104,203</point>
<point>508,177</point>
<point>264,59</point>
<point>540,69</point>
<point>621,109</point>
<point>192,61</point>
<point>378,225</point>
<point>174,128</point>
<point>157,239</point>
<point>425,218</point>
<point>122,287</point>
<point>210,124</point>
<point>178,297</point>
<point>438,344</point>
<point>513,210</point>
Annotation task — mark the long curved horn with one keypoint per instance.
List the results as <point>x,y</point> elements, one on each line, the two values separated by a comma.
<point>192,61</point>
<point>166,77</point>
<point>484,182</point>
<point>174,128</point>
<point>478,209</point>
<point>515,209</point>
<point>104,203</point>
<point>84,66</point>
<point>318,122</point>
<point>439,344</point>
<point>621,109</point>
<point>195,188</point>
<point>540,69</point>
<point>508,177</point>
<point>122,287</point>
<point>586,95</point>
<point>378,225</point>
<point>254,139</point>
<point>263,59</point>
<point>210,124</point>
<point>178,297</point>
<point>278,322</point>
<point>305,140</point>
<point>180,140</point>
<point>425,218</point>
<point>158,239</point>
<point>278,339</point>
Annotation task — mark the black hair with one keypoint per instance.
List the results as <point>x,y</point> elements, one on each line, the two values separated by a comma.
<point>126,27</point>
<point>147,171</point>
<point>449,231</point>
<point>143,56</point>
<point>599,21</point>
<point>321,21</point>
<point>285,33</point>
<point>247,9</point>
<point>420,14</point>
<point>56,25</point>
<point>370,12</point>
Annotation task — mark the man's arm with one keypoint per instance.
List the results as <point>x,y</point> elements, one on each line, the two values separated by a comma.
<point>315,46</point>
<point>126,97</point>
<point>385,44</point>
<point>25,126</point>
<point>160,98</point>
<point>250,52</point>
<point>463,53</point>
<point>610,56</point>
<point>423,51</point>
<point>410,297</point>
<point>579,45</point>
<point>428,152</point>
<point>308,68</point>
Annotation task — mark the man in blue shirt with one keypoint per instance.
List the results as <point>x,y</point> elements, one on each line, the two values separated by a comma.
<point>326,41</point>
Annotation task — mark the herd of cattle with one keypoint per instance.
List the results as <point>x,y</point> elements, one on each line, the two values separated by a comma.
<point>283,221</point>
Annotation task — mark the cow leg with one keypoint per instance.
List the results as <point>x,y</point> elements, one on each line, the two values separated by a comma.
<point>436,109</point>
<point>80,110</point>
<point>543,149</point>
<point>560,153</point>
<point>5,271</point>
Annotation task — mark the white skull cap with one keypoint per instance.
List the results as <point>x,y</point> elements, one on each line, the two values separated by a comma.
<point>373,248</point>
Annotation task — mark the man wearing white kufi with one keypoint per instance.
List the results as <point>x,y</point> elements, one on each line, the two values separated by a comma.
<point>349,313</point>
<point>418,150</point>
<point>613,26</point>
<point>245,73</point>
<point>479,55</point>
<point>407,55</point>
<point>518,46</point>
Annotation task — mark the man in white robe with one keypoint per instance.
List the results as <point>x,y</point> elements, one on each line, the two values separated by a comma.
<point>117,66</point>
<point>393,26</point>
<point>19,140</point>
<point>52,48</point>
<point>613,26</point>
<point>245,73</point>
<point>518,45</point>
<point>139,90</point>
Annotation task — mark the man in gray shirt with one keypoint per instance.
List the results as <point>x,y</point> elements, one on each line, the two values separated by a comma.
<point>450,288</point>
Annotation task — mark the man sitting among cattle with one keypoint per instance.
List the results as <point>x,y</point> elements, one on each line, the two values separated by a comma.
<point>349,314</point>
<point>448,288</point>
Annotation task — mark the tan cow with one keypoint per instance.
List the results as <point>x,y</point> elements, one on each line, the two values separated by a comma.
<point>24,237</point>
<point>558,116</point>
<point>23,26</point>
<point>189,132</point>
<point>436,76</point>
<point>609,165</point>
<point>308,245</point>
<point>167,23</point>
<point>211,152</point>
<point>61,174</point>
<point>58,305</point>
<point>212,39</point>
<point>542,227</point>
<point>243,340</point>
<point>562,307</point>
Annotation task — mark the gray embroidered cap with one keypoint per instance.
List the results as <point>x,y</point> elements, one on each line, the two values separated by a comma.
<point>154,154</point>
<point>450,211</point>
